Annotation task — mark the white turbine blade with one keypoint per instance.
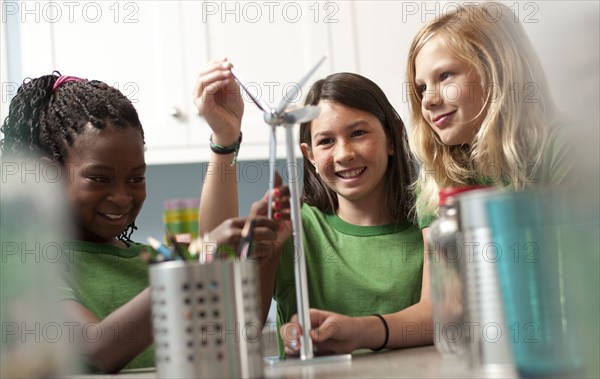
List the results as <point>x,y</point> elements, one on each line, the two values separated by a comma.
<point>305,114</point>
<point>258,101</point>
<point>287,98</point>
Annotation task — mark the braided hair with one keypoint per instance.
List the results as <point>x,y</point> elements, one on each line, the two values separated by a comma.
<point>44,121</point>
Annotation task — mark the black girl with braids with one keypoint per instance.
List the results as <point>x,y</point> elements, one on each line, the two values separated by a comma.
<point>93,134</point>
<point>49,113</point>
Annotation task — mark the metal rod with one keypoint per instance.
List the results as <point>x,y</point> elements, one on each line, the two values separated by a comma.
<point>306,346</point>
<point>272,159</point>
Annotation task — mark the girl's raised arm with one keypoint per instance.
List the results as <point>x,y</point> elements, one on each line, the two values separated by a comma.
<point>217,98</point>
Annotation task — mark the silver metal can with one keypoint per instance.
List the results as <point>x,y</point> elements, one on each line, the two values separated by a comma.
<point>206,319</point>
<point>484,323</point>
<point>444,268</point>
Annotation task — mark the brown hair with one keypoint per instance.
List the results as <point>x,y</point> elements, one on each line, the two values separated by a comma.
<point>356,91</point>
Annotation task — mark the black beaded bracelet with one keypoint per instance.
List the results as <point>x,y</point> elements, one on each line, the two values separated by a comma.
<point>387,333</point>
<point>224,150</point>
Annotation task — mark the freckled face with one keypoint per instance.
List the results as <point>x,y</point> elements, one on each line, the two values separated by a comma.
<point>106,183</point>
<point>452,96</point>
<point>350,150</point>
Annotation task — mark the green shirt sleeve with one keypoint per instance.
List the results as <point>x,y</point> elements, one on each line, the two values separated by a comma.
<point>558,158</point>
<point>426,220</point>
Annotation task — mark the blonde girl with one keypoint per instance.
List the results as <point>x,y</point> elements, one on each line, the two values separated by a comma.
<point>481,109</point>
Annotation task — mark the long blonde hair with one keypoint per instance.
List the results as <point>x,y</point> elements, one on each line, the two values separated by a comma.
<point>518,106</point>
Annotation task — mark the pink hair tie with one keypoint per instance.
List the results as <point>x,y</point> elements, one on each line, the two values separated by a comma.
<point>63,79</point>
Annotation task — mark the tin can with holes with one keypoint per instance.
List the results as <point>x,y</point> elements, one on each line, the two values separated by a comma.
<point>206,319</point>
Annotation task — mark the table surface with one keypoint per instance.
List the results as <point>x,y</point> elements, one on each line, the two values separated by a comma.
<point>419,362</point>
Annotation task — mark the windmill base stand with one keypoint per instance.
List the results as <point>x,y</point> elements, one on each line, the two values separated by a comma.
<point>275,362</point>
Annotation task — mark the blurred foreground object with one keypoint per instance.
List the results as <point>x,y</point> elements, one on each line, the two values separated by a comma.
<point>533,230</point>
<point>36,342</point>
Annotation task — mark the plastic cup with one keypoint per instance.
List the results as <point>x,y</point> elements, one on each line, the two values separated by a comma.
<point>530,229</point>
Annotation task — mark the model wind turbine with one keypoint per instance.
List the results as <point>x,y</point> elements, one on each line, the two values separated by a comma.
<point>282,116</point>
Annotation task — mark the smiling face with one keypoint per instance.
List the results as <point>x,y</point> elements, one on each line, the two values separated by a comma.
<point>105,183</point>
<point>350,151</point>
<point>452,96</point>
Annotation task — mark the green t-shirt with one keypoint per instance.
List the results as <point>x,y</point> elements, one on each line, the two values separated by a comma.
<point>555,168</point>
<point>103,278</point>
<point>353,270</point>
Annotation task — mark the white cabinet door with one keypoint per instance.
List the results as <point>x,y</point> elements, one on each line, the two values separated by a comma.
<point>137,48</point>
<point>134,46</point>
